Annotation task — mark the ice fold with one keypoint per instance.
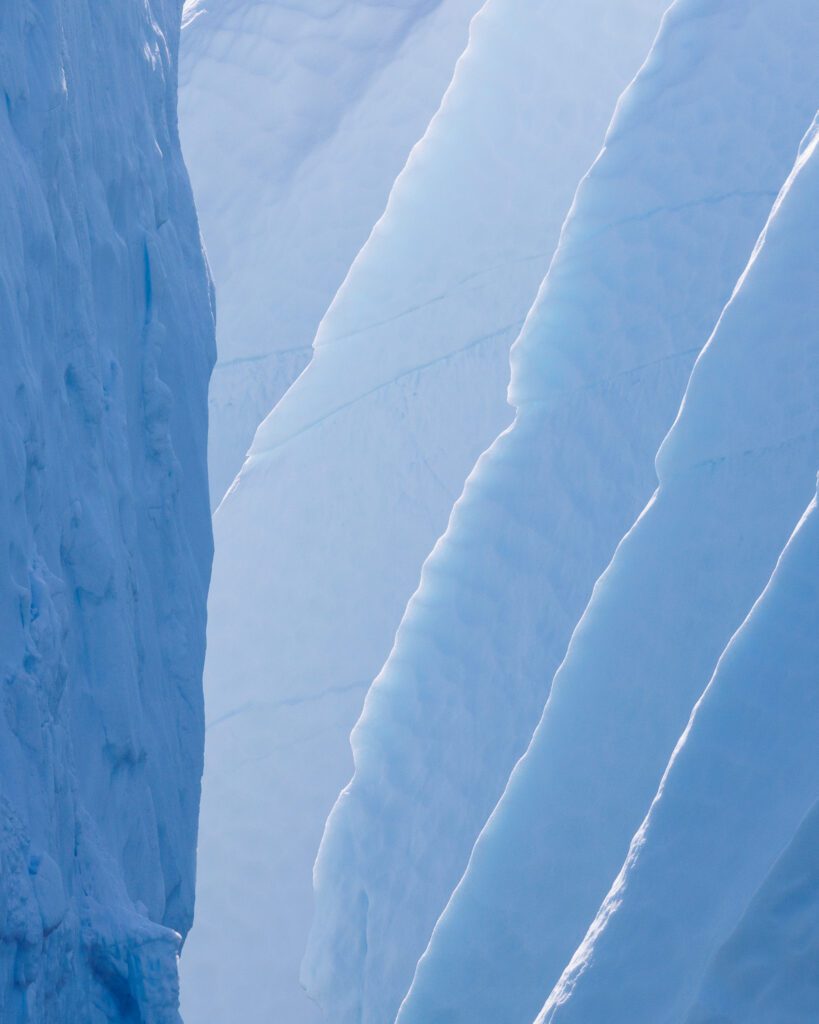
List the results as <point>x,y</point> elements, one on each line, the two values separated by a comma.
<point>735,473</point>
<point>352,477</point>
<point>296,119</point>
<point>659,233</point>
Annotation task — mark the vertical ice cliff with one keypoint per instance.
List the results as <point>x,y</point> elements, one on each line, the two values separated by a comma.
<point>295,120</point>
<point>106,344</point>
<point>735,474</point>
<point>352,477</point>
<point>659,232</point>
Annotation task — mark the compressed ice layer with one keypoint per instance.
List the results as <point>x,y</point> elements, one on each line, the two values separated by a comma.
<point>660,230</point>
<point>352,477</point>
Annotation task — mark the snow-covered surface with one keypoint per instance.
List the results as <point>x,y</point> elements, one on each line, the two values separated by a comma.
<point>661,229</point>
<point>352,477</point>
<point>735,473</point>
<point>296,119</point>
<point>105,541</point>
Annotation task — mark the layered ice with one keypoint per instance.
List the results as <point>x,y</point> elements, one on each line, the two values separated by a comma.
<point>352,477</point>
<point>296,119</point>
<point>105,538</point>
<point>719,891</point>
<point>735,474</point>
<point>659,233</point>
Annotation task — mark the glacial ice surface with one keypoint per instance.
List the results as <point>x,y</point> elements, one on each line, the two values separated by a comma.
<point>295,120</point>
<point>660,230</point>
<point>735,474</point>
<point>351,478</point>
<point>764,973</point>
<point>105,538</point>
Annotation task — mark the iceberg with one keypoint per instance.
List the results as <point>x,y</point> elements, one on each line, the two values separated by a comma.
<point>735,473</point>
<point>659,232</point>
<point>351,478</point>
<point>105,539</point>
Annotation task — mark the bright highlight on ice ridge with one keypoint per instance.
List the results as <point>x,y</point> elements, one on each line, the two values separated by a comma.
<point>509,454</point>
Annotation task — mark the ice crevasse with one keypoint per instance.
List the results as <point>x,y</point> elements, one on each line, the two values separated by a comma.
<point>105,538</point>
<point>660,231</point>
<point>351,478</point>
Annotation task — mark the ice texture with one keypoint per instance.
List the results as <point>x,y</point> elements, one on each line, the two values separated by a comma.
<point>764,973</point>
<point>659,232</point>
<point>735,474</point>
<point>352,477</point>
<point>295,120</point>
<point>107,341</point>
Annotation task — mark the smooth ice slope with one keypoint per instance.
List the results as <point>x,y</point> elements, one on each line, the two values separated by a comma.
<point>660,230</point>
<point>296,119</point>
<point>562,829</point>
<point>351,479</point>
<point>106,343</point>
<point>744,775</point>
<point>765,973</point>
<point>735,471</point>
<point>739,785</point>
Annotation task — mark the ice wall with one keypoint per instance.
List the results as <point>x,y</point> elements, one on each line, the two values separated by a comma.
<point>659,232</point>
<point>352,477</point>
<point>764,972</point>
<point>296,119</point>
<point>105,540</point>
<point>735,473</point>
